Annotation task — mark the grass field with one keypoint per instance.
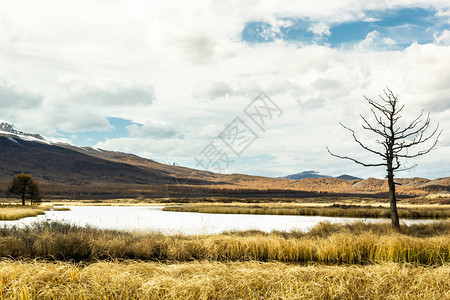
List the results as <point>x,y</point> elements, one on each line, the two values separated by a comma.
<point>219,280</point>
<point>61,208</point>
<point>355,243</point>
<point>51,260</point>
<point>16,212</point>
<point>331,261</point>
<point>327,210</point>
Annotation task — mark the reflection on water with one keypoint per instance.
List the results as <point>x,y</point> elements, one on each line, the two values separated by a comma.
<point>145,218</point>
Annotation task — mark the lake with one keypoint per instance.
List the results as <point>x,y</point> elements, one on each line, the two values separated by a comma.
<point>153,218</point>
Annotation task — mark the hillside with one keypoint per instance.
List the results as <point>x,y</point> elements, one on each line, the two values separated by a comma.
<point>71,171</point>
<point>305,174</point>
<point>315,174</point>
<point>370,186</point>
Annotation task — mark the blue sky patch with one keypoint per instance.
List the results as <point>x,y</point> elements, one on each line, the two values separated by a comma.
<point>396,29</point>
<point>263,32</point>
<point>90,138</point>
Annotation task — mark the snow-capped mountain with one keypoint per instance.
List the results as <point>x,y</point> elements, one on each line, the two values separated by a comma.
<point>66,170</point>
<point>6,127</point>
<point>10,130</point>
<point>306,174</point>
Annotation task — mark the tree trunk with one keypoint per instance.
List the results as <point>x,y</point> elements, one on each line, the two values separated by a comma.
<point>393,200</point>
<point>24,190</point>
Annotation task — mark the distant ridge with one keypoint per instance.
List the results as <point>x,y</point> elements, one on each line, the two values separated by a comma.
<point>348,177</point>
<point>10,128</point>
<point>306,174</point>
<point>315,174</point>
<point>66,170</point>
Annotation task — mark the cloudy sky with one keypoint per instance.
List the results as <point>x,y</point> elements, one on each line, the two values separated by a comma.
<point>169,80</point>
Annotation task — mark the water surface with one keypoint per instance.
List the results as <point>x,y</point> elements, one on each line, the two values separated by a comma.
<point>152,218</point>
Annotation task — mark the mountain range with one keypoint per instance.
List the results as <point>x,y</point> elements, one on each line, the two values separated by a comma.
<point>69,171</point>
<point>314,174</point>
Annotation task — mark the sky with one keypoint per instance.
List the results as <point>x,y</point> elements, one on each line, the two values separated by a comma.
<point>245,86</point>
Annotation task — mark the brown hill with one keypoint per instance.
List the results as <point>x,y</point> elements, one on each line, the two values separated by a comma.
<point>86,172</point>
<point>63,168</point>
<point>407,186</point>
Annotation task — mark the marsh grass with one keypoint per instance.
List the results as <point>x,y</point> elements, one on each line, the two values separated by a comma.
<point>215,280</point>
<point>335,210</point>
<point>17,212</point>
<point>61,208</point>
<point>355,243</point>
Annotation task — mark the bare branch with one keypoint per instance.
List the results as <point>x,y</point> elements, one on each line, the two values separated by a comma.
<point>423,152</point>
<point>407,168</point>
<point>354,160</point>
<point>360,143</point>
<point>399,110</point>
<point>419,139</point>
<point>411,125</point>
<point>378,106</point>
<point>370,127</point>
<point>385,145</point>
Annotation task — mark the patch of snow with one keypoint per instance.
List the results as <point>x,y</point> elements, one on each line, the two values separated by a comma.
<point>31,139</point>
<point>13,140</point>
<point>54,140</point>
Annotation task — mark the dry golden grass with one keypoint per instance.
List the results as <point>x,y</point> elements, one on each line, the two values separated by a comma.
<point>61,208</point>
<point>16,212</point>
<point>355,243</point>
<point>248,200</point>
<point>373,263</point>
<point>109,202</point>
<point>213,280</point>
<point>335,210</point>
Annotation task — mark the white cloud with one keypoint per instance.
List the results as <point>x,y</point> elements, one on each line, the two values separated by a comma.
<point>161,150</point>
<point>374,41</point>
<point>320,29</point>
<point>78,120</point>
<point>90,60</point>
<point>152,129</point>
<point>212,90</point>
<point>444,12</point>
<point>389,41</point>
<point>370,40</point>
<point>369,20</point>
<point>274,31</point>
<point>105,91</point>
<point>311,104</point>
<point>198,48</point>
<point>15,97</point>
<point>444,38</point>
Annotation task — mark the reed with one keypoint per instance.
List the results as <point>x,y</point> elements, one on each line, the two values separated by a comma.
<point>326,243</point>
<point>214,280</point>
<point>17,212</point>
<point>61,208</point>
<point>335,210</point>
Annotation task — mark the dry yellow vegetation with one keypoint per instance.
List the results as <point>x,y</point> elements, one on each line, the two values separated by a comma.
<point>352,261</point>
<point>215,280</point>
<point>355,243</point>
<point>61,208</point>
<point>16,212</point>
<point>333,210</point>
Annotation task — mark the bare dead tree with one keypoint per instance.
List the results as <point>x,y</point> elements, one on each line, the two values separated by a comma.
<point>396,142</point>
